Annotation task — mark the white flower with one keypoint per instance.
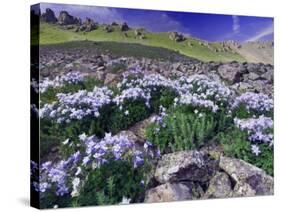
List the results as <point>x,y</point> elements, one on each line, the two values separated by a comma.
<point>125,201</point>
<point>96,114</point>
<point>75,186</point>
<point>82,137</point>
<point>255,149</point>
<point>78,171</point>
<point>126,112</point>
<point>65,142</point>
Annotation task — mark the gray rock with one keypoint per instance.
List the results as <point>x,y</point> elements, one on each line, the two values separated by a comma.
<point>243,190</point>
<point>229,73</point>
<point>169,192</point>
<point>183,165</point>
<point>268,75</point>
<point>124,27</point>
<point>100,75</point>
<point>243,172</point>
<point>66,19</point>
<point>219,187</point>
<point>253,76</point>
<point>49,16</point>
<point>175,36</point>
<point>139,128</point>
<point>110,78</point>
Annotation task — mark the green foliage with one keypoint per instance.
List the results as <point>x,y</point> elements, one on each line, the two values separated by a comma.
<point>49,200</point>
<point>242,112</point>
<point>110,183</point>
<point>162,96</point>
<point>118,120</point>
<point>182,130</point>
<point>235,144</point>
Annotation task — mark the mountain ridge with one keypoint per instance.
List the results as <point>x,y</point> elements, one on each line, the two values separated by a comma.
<point>65,28</point>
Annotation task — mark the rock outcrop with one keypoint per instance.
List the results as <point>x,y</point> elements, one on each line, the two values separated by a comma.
<point>49,16</point>
<point>66,19</point>
<point>175,36</point>
<point>170,192</point>
<point>247,176</point>
<point>181,166</point>
<point>87,26</point>
<point>124,27</point>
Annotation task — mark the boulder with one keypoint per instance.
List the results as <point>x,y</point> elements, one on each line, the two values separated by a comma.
<point>175,36</point>
<point>268,75</point>
<point>243,190</point>
<point>139,128</point>
<point>243,172</point>
<point>230,72</point>
<point>124,27</point>
<point>183,165</point>
<point>169,192</point>
<point>100,75</point>
<point>219,186</point>
<point>49,16</point>
<point>137,32</point>
<point>253,76</point>
<point>108,28</point>
<point>88,25</point>
<point>66,19</point>
<point>110,78</point>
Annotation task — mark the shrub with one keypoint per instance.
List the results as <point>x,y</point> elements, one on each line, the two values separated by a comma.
<point>162,97</point>
<point>131,112</point>
<point>110,183</point>
<point>236,144</point>
<point>182,129</point>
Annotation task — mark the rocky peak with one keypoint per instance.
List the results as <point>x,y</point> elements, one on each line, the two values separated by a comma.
<point>124,27</point>
<point>66,19</point>
<point>49,16</point>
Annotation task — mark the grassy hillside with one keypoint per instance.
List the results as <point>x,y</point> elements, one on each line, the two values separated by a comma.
<point>53,34</point>
<point>118,49</point>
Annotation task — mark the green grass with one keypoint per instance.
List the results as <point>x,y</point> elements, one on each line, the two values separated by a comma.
<point>53,34</point>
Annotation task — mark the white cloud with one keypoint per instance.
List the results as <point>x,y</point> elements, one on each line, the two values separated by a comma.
<point>235,24</point>
<point>153,20</point>
<point>261,34</point>
<point>158,22</point>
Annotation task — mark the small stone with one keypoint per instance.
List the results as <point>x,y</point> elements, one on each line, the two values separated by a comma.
<point>169,192</point>
<point>253,76</point>
<point>110,78</point>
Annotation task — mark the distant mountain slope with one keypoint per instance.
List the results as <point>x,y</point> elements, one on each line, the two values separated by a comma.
<point>195,48</point>
<point>257,52</point>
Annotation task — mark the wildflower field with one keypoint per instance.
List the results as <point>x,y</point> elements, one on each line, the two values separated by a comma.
<point>85,160</point>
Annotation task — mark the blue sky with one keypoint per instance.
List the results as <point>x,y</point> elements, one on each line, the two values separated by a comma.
<point>211,27</point>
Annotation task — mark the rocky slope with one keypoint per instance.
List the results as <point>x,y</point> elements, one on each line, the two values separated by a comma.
<point>109,67</point>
